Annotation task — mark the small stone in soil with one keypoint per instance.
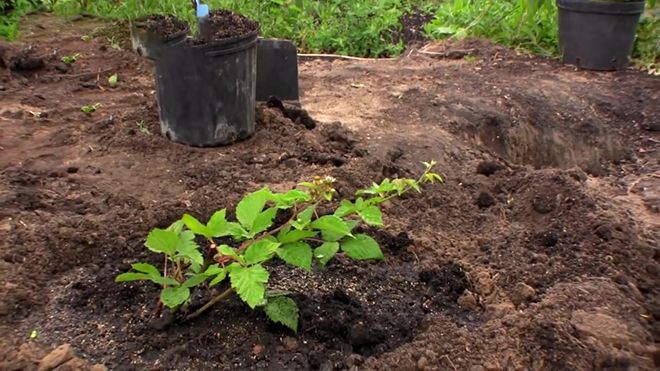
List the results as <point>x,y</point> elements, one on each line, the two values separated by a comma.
<point>57,357</point>
<point>72,169</point>
<point>522,293</point>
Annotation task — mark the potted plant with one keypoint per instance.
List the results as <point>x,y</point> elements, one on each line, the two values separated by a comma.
<point>598,34</point>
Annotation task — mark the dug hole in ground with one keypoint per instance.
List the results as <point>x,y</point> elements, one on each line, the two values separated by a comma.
<point>539,252</point>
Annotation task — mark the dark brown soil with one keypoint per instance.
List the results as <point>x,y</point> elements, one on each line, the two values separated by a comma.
<point>226,24</point>
<point>163,25</point>
<point>539,252</point>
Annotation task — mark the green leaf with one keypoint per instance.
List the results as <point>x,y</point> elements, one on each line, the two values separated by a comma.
<point>287,235</point>
<point>251,206</point>
<point>112,80</point>
<point>188,249</point>
<point>176,227</point>
<point>298,254</point>
<point>249,283</point>
<point>132,276</point>
<point>325,252</point>
<point>237,231</point>
<point>146,268</point>
<point>231,252</point>
<point>372,216</point>
<point>172,297</point>
<point>362,247</point>
<point>304,218</point>
<point>217,224</point>
<point>213,269</point>
<point>332,224</point>
<point>195,280</point>
<point>283,310</point>
<point>332,236</point>
<point>218,278</point>
<point>162,241</point>
<point>260,251</point>
<point>165,281</point>
<point>263,221</point>
<point>292,197</point>
<point>345,207</point>
<point>196,226</point>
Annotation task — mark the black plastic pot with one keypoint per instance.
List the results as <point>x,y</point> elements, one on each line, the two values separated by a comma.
<point>206,92</point>
<point>150,44</point>
<point>598,35</point>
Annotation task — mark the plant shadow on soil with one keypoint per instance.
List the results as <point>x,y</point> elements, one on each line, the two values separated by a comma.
<point>550,248</point>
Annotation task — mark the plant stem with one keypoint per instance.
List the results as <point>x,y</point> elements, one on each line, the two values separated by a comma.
<point>165,267</point>
<point>223,295</point>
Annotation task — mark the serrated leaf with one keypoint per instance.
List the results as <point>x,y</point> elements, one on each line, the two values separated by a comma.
<point>325,252</point>
<point>249,283</point>
<point>176,227</point>
<point>195,280</point>
<point>263,221</point>
<point>172,297</point>
<point>231,252</point>
<point>162,241</point>
<point>332,236</point>
<point>345,207</point>
<point>260,251</point>
<point>298,254</point>
<point>146,268</point>
<point>196,226</point>
<point>303,218</point>
<point>217,224</point>
<point>332,224</point>
<point>288,199</point>
<point>236,231</point>
<point>287,235</point>
<point>284,310</point>
<point>251,206</point>
<point>362,247</point>
<point>372,216</point>
<point>188,249</point>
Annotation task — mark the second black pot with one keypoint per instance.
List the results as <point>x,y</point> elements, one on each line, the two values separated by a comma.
<point>598,35</point>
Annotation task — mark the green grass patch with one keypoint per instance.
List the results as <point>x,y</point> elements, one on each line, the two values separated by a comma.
<point>365,28</point>
<point>11,12</point>
<point>528,25</point>
<point>362,28</point>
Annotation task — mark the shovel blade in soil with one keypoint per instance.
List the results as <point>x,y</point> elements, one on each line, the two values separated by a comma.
<point>277,70</point>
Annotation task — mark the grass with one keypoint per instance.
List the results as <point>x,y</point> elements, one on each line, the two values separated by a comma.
<point>363,27</point>
<point>366,27</point>
<point>521,24</point>
<point>11,12</point>
<point>528,25</point>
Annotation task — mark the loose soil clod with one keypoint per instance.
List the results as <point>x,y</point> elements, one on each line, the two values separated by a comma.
<point>162,25</point>
<point>225,24</point>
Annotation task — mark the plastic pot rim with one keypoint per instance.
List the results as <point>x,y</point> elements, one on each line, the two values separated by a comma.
<point>602,7</point>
